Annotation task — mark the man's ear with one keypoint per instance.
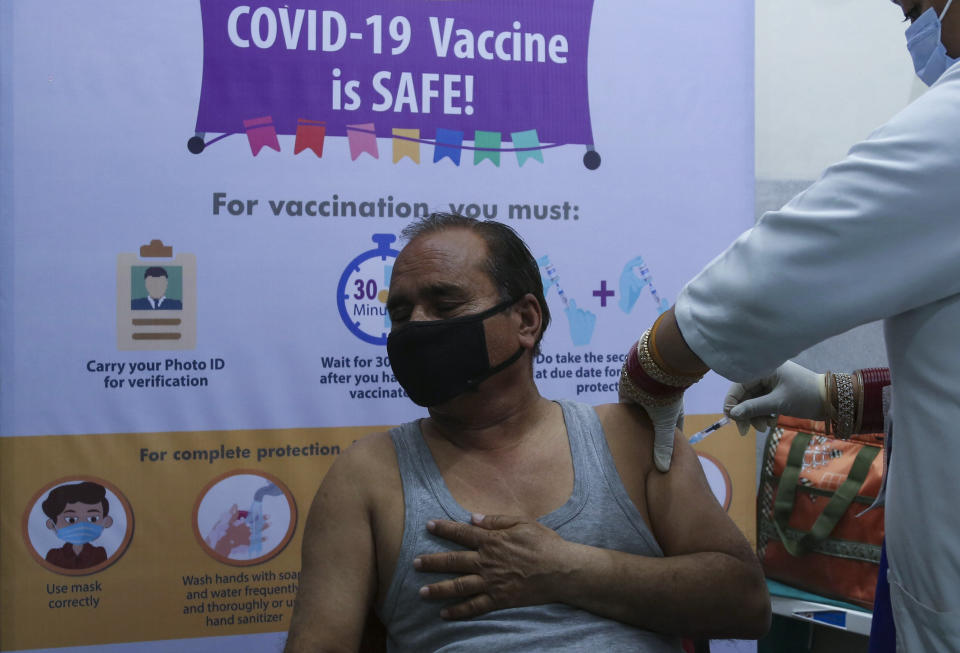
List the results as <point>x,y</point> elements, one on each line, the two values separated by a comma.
<point>107,522</point>
<point>531,319</point>
<point>51,525</point>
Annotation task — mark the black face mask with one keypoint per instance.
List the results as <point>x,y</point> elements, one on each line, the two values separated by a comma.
<point>436,360</point>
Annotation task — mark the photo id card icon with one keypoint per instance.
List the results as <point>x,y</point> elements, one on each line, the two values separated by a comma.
<point>156,299</point>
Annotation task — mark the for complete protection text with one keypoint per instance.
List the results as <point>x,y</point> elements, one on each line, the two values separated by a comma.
<point>223,452</point>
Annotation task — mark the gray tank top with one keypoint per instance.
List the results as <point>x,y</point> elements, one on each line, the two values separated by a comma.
<point>599,513</point>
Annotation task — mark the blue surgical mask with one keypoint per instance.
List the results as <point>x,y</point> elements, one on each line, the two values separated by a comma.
<point>930,58</point>
<point>80,533</point>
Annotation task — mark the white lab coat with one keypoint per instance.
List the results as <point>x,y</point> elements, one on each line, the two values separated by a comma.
<point>876,237</point>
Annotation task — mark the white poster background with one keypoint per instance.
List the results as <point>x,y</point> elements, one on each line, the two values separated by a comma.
<point>98,101</point>
<point>104,96</point>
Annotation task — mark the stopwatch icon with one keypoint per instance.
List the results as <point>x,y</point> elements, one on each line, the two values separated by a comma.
<point>362,291</point>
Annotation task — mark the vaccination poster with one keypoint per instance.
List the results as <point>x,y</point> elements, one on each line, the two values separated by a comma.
<point>202,202</point>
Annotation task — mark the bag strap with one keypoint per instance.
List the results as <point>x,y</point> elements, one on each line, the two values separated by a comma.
<point>787,488</point>
<point>835,508</point>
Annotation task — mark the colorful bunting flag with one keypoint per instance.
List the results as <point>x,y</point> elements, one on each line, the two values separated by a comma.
<point>403,147</point>
<point>525,142</point>
<point>449,143</point>
<point>362,138</point>
<point>310,136</point>
<point>261,133</point>
<point>488,147</point>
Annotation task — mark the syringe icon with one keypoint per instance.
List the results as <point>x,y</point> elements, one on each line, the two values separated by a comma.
<point>581,321</point>
<point>554,277</point>
<point>648,279</point>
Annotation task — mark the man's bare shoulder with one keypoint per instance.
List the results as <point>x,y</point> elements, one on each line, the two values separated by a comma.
<point>372,449</point>
<point>628,423</point>
<point>366,463</point>
<point>629,435</point>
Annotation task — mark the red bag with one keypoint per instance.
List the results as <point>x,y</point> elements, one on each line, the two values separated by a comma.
<point>812,487</point>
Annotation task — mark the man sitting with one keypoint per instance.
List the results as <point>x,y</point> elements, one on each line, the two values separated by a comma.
<point>601,552</point>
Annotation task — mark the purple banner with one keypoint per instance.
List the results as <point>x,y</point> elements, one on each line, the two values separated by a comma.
<point>495,66</point>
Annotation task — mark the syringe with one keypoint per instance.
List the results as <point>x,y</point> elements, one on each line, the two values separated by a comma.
<point>716,426</point>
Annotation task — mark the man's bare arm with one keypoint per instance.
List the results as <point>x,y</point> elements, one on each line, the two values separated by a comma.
<point>338,579</point>
<point>709,584</point>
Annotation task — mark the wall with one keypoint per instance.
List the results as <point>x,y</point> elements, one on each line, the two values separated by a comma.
<point>827,74</point>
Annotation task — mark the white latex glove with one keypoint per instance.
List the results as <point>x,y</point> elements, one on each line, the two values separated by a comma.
<point>665,420</point>
<point>791,390</point>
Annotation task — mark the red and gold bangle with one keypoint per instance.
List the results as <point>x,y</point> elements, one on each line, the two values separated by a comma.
<point>632,391</point>
<point>874,380</point>
<point>635,371</point>
<point>650,367</point>
<point>642,380</point>
<point>658,359</point>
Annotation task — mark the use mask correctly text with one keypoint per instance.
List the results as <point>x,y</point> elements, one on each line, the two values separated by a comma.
<point>436,360</point>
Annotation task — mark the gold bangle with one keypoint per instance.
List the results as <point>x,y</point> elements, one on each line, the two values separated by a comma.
<point>657,373</point>
<point>630,390</point>
<point>658,359</point>
<point>831,410</point>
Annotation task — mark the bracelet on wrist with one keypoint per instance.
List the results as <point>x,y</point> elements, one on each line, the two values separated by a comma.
<point>830,403</point>
<point>660,362</point>
<point>632,391</point>
<point>858,401</point>
<point>874,380</point>
<point>644,381</point>
<point>841,407</point>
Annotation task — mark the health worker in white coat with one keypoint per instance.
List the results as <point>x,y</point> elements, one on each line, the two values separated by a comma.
<point>877,237</point>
